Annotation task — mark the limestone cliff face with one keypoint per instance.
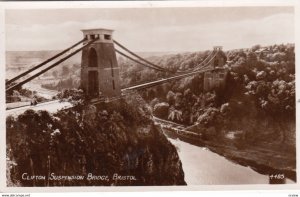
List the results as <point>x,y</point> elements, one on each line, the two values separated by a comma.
<point>107,144</point>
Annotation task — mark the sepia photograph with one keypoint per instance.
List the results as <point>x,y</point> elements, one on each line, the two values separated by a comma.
<point>150,96</point>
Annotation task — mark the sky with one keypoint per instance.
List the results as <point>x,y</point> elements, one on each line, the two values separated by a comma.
<point>152,29</point>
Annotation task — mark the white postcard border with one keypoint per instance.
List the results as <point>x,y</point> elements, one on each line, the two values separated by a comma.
<point>123,4</point>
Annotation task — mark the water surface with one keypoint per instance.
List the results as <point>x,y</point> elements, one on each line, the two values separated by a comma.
<point>203,167</point>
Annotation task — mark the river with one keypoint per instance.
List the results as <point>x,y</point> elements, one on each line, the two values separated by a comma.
<point>203,167</point>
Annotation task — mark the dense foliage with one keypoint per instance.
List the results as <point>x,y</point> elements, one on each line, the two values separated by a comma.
<point>115,138</point>
<point>61,84</point>
<point>22,94</point>
<point>258,103</point>
<point>261,78</point>
<point>259,97</point>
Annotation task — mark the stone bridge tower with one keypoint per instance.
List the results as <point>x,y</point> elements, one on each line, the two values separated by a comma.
<point>216,79</point>
<point>220,59</point>
<point>99,66</point>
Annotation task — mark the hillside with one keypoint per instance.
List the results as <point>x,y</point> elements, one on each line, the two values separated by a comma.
<point>250,121</point>
<point>253,116</point>
<point>105,145</point>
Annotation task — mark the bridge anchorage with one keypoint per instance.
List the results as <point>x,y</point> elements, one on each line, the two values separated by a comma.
<point>100,70</point>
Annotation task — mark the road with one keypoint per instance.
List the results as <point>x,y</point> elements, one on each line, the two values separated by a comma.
<point>51,107</point>
<point>43,92</point>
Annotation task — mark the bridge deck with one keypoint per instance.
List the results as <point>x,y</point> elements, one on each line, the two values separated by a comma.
<point>161,81</point>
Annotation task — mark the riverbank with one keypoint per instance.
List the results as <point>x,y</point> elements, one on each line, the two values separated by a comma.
<point>263,161</point>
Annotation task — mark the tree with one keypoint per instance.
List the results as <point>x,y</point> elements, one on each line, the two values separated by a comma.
<point>161,110</point>
<point>187,94</point>
<point>211,118</point>
<point>178,100</point>
<point>170,97</point>
<point>153,102</point>
<point>54,73</point>
<point>175,115</point>
<point>252,58</point>
<point>255,47</point>
<point>65,70</point>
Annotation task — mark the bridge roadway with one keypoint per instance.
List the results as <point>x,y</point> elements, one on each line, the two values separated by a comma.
<point>56,104</point>
<point>161,81</point>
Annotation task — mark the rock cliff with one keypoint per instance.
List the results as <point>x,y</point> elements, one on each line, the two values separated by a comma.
<point>113,143</point>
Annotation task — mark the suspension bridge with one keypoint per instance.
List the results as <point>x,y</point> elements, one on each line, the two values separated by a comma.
<point>100,70</point>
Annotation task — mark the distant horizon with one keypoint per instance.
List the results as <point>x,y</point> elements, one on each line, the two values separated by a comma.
<point>152,29</point>
<point>160,51</point>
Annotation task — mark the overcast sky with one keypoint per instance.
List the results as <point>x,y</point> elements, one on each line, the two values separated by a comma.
<point>152,29</point>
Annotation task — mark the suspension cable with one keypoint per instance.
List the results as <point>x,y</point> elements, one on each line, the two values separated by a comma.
<point>43,63</point>
<point>158,82</point>
<point>208,57</point>
<point>208,63</point>
<point>198,67</point>
<point>139,57</point>
<point>154,83</point>
<point>134,60</point>
<point>50,67</point>
<point>154,65</point>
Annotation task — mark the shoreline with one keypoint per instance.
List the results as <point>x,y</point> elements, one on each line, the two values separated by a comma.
<point>236,156</point>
